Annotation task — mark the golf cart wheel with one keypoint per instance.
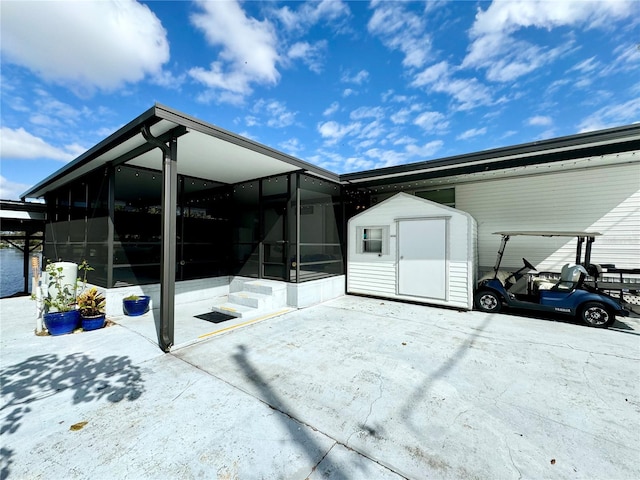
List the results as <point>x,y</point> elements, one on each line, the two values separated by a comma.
<point>488,301</point>
<point>595,314</point>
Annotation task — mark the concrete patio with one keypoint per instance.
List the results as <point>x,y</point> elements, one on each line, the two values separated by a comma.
<point>354,388</point>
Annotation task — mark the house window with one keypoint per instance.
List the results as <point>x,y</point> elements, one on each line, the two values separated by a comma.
<point>445,196</point>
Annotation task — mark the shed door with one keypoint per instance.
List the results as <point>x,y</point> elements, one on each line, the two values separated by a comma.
<point>422,258</point>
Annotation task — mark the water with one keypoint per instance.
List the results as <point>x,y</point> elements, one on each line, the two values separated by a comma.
<point>11,275</point>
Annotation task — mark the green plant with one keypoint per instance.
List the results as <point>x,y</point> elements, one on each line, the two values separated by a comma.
<point>64,298</point>
<point>84,267</point>
<point>91,303</point>
<point>132,297</point>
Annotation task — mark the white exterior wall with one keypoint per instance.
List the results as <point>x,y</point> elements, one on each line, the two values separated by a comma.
<point>371,274</point>
<point>604,199</point>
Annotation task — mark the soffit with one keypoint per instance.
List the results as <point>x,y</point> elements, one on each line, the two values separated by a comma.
<point>203,151</point>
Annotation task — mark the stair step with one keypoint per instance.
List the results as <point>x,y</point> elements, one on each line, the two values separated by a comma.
<point>250,299</point>
<point>234,309</point>
<point>264,287</point>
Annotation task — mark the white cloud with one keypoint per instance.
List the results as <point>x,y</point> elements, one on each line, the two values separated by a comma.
<point>627,59</point>
<point>359,78</point>
<point>334,131</point>
<point>426,150</point>
<point>586,66</point>
<point>495,46</point>
<point>311,55</point>
<point>411,152</point>
<point>467,92</point>
<point>279,115</point>
<point>311,13</point>
<point>347,92</point>
<point>612,116</point>
<point>472,132</point>
<point>366,112</point>
<point>401,30</point>
<point>248,49</point>
<point>374,129</point>
<point>291,146</point>
<point>333,108</point>
<point>432,122</point>
<point>20,144</point>
<point>403,115</point>
<point>11,190</point>
<point>539,121</point>
<point>167,79</point>
<point>84,45</point>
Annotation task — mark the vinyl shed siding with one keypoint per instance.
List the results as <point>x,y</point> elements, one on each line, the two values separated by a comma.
<point>599,199</point>
<point>372,278</point>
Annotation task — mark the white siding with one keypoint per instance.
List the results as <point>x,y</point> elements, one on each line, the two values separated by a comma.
<point>459,292</point>
<point>374,274</point>
<point>371,278</point>
<point>600,199</point>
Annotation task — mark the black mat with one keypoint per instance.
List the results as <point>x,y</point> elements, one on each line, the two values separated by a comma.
<point>215,317</point>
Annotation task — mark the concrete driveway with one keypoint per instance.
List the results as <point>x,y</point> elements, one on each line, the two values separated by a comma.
<point>355,388</point>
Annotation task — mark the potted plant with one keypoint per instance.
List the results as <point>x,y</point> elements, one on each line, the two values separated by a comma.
<point>60,315</point>
<point>91,304</point>
<point>135,305</point>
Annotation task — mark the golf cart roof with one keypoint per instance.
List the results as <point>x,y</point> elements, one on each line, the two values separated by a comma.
<point>549,234</point>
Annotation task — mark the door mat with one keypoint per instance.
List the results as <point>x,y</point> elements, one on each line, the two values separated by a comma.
<point>215,317</point>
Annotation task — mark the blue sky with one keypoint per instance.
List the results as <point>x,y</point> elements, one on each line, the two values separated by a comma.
<point>344,85</point>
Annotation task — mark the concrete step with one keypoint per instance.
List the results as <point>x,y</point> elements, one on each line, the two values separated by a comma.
<point>265,287</point>
<point>250,299</point>
<point>234,309</point>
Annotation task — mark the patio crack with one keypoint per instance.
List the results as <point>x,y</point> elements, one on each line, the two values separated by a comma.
<point>363,427</point>
<point>512,462</point>
<point>315,467</point>
<point>273,406</point>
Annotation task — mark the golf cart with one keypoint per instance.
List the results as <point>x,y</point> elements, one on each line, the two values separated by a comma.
<point>569,295</point>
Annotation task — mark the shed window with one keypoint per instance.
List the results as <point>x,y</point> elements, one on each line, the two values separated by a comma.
<point>372,240</point>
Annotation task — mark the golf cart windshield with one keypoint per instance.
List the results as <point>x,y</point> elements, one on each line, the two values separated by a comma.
<point>581,236</point>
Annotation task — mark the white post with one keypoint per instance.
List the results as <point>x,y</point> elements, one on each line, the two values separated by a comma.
<point>36,290</point>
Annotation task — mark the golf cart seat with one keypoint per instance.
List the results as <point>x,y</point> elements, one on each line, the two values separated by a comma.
<point>543,284</point>
<point>571,276</point>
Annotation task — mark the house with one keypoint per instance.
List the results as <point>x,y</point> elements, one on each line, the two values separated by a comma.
<point>183,208</point>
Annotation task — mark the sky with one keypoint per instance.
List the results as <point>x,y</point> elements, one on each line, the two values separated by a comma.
<point>344,85</point>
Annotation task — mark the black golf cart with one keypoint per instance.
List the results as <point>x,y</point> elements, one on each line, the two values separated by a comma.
<point>569,294</point>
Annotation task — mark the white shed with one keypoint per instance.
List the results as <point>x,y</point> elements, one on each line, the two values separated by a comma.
<point>409,248</point>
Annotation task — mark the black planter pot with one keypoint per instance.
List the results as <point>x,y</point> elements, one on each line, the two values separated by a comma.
<point>137,307</point>
<point>92,323</point>
<point>61,323</point>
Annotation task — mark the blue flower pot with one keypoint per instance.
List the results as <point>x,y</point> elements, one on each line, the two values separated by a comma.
<point>92,323</point>
<point>60,323</point>
<point>133,308</point>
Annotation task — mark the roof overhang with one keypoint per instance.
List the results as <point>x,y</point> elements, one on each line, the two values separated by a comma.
<point>204,151</point>
<point>597,147</point>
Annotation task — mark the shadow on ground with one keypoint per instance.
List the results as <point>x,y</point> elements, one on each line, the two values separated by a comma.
<point>274,401</point>
<point>422,390</point>
<point>41,376</point>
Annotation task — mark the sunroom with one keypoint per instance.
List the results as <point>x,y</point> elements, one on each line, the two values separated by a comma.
<point>180,208</point>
